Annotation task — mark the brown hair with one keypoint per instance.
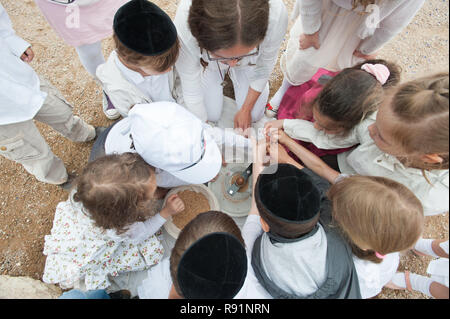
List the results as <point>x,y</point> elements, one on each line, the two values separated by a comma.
<point>159,63</point>
<point>114,189</point>
<point>377,213</point>
<point>353,94</point>
<point>202,225</point>
<point>219,24</point>
<point>421,109</point>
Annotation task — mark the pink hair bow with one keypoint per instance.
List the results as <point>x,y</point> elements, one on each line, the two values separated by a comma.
<point>379,255</point>
<point>379,71</point>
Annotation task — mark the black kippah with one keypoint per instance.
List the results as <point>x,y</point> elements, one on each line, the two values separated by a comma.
<point>143,27</point>
<point>289,194</point>
<point>214,267</point>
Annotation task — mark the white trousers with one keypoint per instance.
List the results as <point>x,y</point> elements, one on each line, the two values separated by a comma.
<point>213,90</point>
<point>91,56</point>
<point>23,143</point>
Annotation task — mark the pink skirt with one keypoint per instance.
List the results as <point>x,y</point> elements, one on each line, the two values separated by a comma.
<point>81,25</point>
<point>293,104</point>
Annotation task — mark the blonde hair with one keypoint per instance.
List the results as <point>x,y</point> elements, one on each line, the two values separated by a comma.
<point>421,108</point>
<point>376,213</point>
<point>202,225</point>
<point>114,189</point>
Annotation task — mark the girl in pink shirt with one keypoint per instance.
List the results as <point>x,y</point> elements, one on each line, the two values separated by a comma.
<point>83,24</point>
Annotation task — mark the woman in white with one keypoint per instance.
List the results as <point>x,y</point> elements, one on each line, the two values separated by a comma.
<point>239,38</point>
<point>337,34</point>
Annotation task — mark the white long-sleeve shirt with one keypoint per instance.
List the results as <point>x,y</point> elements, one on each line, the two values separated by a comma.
<point>393,15</point>
<point>367,159</point>
<point>188,63</point>
<point>20,94</point>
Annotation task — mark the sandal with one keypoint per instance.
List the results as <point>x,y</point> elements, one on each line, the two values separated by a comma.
<point>418,253</point>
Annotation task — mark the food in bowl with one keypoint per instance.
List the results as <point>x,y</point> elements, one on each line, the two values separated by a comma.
<point>194,204</point>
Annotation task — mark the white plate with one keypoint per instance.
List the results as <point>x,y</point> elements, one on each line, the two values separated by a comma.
<point>240,204</point>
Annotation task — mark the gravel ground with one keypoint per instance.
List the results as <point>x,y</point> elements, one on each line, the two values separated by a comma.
<point>27,206</point>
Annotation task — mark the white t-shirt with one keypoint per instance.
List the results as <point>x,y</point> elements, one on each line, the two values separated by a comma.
<point>252,289</point>
<point>297,268</point>
<point>156,87</point>
<point>372,277</point>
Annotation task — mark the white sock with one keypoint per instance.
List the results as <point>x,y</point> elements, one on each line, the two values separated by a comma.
<point>91,56</point>
<point>418,282</point>
<point>276,99</point>
<point>424,246</point>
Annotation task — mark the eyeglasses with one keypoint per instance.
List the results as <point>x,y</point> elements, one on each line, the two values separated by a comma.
<point>232,58</point>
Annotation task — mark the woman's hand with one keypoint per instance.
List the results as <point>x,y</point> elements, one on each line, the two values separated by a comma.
<point>278,154</point>
<point>174,205</point>
<point>309,40</point>
<point>279,136</point>
<point>277,124</point>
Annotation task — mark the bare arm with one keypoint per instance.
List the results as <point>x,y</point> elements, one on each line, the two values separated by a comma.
<point>310,160</point>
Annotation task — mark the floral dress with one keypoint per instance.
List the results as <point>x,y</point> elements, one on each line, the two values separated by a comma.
<point>77,250</point>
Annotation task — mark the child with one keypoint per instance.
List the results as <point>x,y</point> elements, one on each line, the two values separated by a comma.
<point>211,236</point>
<point>402,144</point>
<point>238,38</point>
<point>25,96</point>
<point>437,285</point>
<point>299,255</point>
<point>337,34</point>
<point>108,226</point>
<point>182,148</point>
<point>171,139</point>
<point>83,25</point>
<point>140,70</point>
<point>339,104</point>
<point>380,218</point>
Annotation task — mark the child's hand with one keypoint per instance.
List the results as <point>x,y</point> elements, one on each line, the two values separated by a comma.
<point>278,154</point>
<point>174,205</point>
<point>309,40</point>
<point>279,136</point>
<point>28,55</point>
<point>277,124</point>
<point>259,148</point>
<point>365,56</point>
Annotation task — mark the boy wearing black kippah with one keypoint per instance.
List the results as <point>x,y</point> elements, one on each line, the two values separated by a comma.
<point>299,256</point>
<point>141,68</point>
<point>208,261</point>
